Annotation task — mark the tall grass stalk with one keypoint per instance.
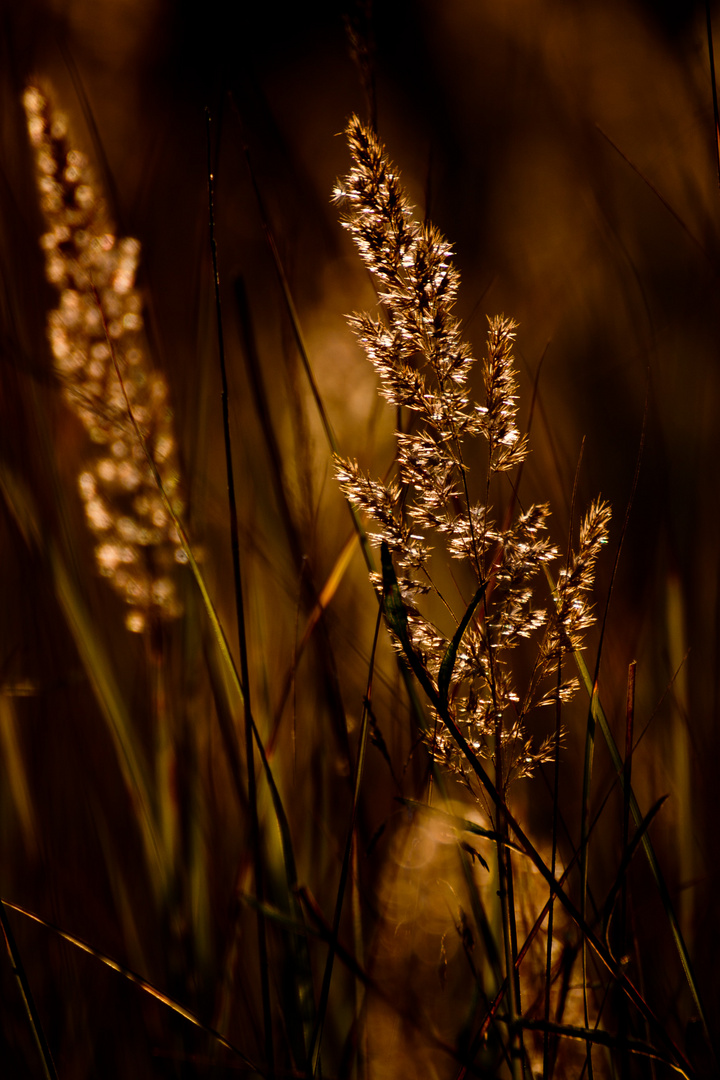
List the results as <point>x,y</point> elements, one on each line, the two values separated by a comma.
<point>242,638</point>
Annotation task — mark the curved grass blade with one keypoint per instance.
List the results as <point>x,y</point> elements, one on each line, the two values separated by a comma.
<point>629,852</point>
<point>17,774</point>
<point>448,663</point>
<point>21,978</point>
<point>241,627</point>
<point>277,915</point>
<point>584,855</point>
<point>133,977</point>
<point>604,1038</point>
<point>110,700</point>
<point>223,645</point>
<point>522,953</point>
<point>462,824</point>
<point>329,433</point>
<point>96,664</point>
<point>298,943</point>
<point>420,1023</point>
<point>396,616</point>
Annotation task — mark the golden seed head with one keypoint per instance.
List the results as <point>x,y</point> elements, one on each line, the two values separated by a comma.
<point>94,339</point>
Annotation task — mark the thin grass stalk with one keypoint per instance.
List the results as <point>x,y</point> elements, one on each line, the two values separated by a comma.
<point>116,716</point>
<point>554,1029</point>
<point>361,1050</point>
<point>641,982</point>
<point>225,710</point>
<point>599,1037</point>
<point>517,1049</point>
<point>504,879</point>
<point>242,638</point>
<point>619,884</point>
<point>627,787</point>
<point>302,349</point>
<point>96,663</point>
<point>711,58</point>
<point>131,976</point>
<point>521,953</point>
<point>397,619</point>
<point>422,1024</point>
<point>292,310</point>
<point>548,1058</point>
<point>327,427</point>
<point>168,800</point>
<point>482,922</point>
<point>584,806</point>
<point>359,769</point>
<point>601,720</point>
<point>312,600</point>
<point>302,969</point>
<point>584,856</point>
<point>261,411</point>
<point>165,762</point>
<point>590,730</point>
<point>16,772</point>
<point>92,126</point>
<point>661,198</point>
<point>219,636</point>
<point>599,714</point>
<point>627,778</point>
<point>26,994</point>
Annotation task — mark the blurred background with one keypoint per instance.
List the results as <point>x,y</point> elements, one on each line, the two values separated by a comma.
<point>569,153</point>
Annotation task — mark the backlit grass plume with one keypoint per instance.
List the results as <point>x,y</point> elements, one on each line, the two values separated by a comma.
<point>95,335</point>
<point>436,507</point>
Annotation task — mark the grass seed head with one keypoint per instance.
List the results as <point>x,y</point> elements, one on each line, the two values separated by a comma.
<point>95,336</point>
<point>423,365</point>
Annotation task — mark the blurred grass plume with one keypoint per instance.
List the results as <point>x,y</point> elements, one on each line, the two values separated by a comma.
<point>95,336</point>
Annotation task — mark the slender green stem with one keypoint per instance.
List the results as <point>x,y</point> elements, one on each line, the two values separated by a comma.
<point>325,992</point>
<point>26,994</point>
<point>242,635</point>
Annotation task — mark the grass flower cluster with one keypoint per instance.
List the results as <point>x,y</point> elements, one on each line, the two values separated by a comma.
<point>95,335</point>
<point>436,504</point>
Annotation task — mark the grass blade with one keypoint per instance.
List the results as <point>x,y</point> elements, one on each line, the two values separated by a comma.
<point>603,1038</point>
<point>446,668</point>
<point>17,776</point>
<point>628,854</point>
<point>242,633</point>
<point>97,668</point>
<point>133,977</point>
<point>25,992</point>
<point>359,768</point>
<point>600,718</point>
